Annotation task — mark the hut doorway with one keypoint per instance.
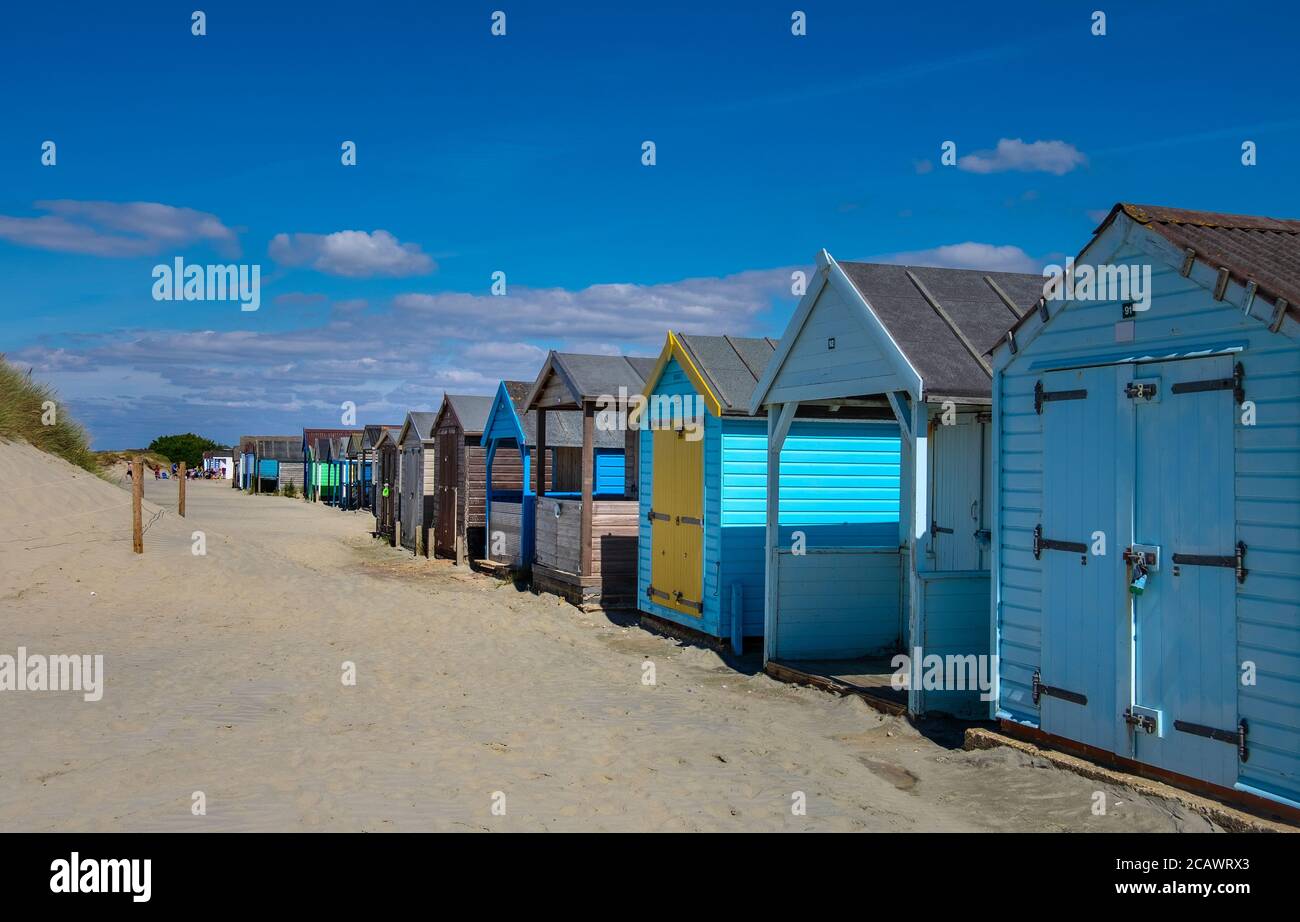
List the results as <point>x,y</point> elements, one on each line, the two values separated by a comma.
<point>677,523</point>
<point>448,482</point>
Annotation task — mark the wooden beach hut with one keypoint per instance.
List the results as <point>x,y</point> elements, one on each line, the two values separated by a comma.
<point>369,463</point>
<point>268,463</point>
<point>417,458</point>
<point>584,546</point>
<point>905,345</point>
<point>388,485</point>
<point>461,488</point>
<point>1154,438</point>
<point>510,441</point>
<point>702,470</point>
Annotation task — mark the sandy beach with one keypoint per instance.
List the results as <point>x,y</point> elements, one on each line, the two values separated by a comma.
<point>223,674</point>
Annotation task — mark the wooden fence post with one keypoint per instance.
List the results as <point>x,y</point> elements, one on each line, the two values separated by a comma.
<point>137,500</point>
<point>180,507</point>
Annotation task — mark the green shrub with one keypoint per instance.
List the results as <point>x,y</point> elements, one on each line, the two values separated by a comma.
<point>30,412</point>
<point>289,490</point>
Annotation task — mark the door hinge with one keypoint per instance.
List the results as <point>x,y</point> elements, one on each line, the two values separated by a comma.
<point>1050,544</point>
<point>1040,689</point>
<point>1235,562</point>
<point>651,593</point>
<point>1236,384</point>
<point>1236,738</point>
<point>1041,396</point>
<point>680,599</point>
<point>689,520</point>
<point>661,516</point>
<point>939,529</point>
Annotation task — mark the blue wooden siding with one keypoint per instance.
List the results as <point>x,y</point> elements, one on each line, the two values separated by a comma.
<point>609,472</point>
<point>1183,320</point>
<point>956,624</point>
<point>839,486</point>
<point>837,604</point>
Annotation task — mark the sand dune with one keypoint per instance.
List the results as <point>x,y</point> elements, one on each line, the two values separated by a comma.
<point>223,675</point>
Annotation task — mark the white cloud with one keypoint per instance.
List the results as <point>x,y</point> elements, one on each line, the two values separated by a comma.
<point>129,386</point>
<point>970,255</point>
<point>117,228</point>
<point>355,254</point>
<point>1056,157</point>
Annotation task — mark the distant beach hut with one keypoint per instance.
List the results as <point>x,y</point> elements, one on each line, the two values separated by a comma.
<point>388,485</point>
<point>585,544</point>
<point>369,462</point>
<point>320,475</point>
<point>417,450</point>
<point>268,463</point>
<point>905,567</point>
<point>510,438</point>
<point>1147,488</point>
<point>461,488</point>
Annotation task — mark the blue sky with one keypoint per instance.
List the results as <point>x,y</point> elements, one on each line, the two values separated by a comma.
<point>522,154</point>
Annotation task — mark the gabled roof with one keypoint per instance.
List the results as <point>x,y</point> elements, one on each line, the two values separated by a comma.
<point>585,378</point>
<point>723,369</point>
<point>471,411</point>
<point>351,446</point>
<point>373,433</point>
<point>420,423</point>
<point>1252,248</point>
<point>563,427</point>
<point>311,438</point>
<point>932,326</point>
<point>1265,250</point>
<point>944,321</point>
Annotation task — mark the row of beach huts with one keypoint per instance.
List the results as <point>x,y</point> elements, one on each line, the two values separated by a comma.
<point>1076,515</point>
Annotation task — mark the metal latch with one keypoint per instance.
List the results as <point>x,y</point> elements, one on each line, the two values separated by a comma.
<point>1143,719</point>
<point>1140,390</point>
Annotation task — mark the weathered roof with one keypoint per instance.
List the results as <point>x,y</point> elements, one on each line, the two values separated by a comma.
<point>733,366</point>
<point>563,427</point>
<point>588,377</point>
<point>1251,247</point>
<point>471,411</point>
<point>945,320</point>
<point>421,423</point>
<point>312,438</point>
<point>273,447</point>
<point>373,432</point>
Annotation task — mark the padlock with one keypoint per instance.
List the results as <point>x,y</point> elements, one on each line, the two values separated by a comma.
<point>1139,581</point>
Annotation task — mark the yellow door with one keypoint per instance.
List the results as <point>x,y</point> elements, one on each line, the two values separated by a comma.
<point>677,523</point>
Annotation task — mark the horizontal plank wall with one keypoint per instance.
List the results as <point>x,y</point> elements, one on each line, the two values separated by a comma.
<point>1184,319</point>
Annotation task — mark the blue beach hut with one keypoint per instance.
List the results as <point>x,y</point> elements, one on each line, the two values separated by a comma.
<point>1147,527</point>
<point>510,437</point>
<point>907,345</point>
<point>703,462</point>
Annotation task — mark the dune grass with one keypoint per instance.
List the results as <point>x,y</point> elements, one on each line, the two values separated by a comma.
<point>31,412</point>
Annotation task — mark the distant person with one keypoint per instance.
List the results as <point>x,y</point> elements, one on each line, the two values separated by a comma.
<point>130,474</point>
